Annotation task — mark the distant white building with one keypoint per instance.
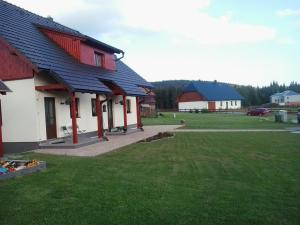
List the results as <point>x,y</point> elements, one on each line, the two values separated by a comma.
<point>288,97</point>
<point>212,96</point>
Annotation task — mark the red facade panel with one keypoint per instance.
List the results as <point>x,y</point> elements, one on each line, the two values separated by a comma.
<point>87,57</point>
<point>69,43</point>
<point>190,97</point>
<point>12,66</point>
<point>212,106</point>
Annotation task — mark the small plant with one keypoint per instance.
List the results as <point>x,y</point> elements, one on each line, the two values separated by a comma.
<point>182,121</point>
<point>197,111</point>
<point>204,111</point>
<point>190,111</point>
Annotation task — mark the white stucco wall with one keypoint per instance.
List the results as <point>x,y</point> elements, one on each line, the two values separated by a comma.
<point>19,112</point>
<point>86,120</point>
<point>284,100</point>
<point>292,99</point>
<point>118,115</point>
<point>184,106</point>
<point>275,99</point>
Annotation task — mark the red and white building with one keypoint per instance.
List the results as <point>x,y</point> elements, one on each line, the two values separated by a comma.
<point>61,78</point>
<point>212,96</point>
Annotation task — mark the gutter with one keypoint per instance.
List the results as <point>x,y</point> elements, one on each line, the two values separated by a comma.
<point>121,57</point>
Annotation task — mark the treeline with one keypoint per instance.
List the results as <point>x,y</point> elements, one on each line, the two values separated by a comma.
<point>167,92</point>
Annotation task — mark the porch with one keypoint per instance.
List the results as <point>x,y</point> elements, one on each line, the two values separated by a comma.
<point>85,139</point>
<point>115,142</point>
<point>69,119</point>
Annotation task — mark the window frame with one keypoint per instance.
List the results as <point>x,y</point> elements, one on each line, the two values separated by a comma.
<point>93,104</point>
<point>128,106</point>
<point>98,59</point>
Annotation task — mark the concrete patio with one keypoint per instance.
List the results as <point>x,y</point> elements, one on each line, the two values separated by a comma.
<point>115,142</point>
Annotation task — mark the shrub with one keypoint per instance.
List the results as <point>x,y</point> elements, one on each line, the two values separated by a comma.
<point>204,111</point>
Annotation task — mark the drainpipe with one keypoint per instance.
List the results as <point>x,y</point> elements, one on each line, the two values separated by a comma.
<point>125,112</point>
<point>121,57</point>
<point>99,116</point>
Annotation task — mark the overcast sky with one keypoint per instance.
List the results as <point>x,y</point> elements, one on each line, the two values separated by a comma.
<point>243,42</point>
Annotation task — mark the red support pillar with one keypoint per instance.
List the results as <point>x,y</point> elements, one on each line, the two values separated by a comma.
<point>1,141</point>
<point>125,112</point>
<point>99,116</point>
<point>138,113</point>
<point>73,115</point>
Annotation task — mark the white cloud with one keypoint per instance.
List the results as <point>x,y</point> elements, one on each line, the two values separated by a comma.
<point>288,12</point>
<point>186,20</point>
<point>286,40</point>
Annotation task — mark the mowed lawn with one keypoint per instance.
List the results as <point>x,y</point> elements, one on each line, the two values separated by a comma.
<point>219,121</point>
<point>194,178</point>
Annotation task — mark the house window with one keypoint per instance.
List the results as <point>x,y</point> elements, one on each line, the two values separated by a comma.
<point>93,101</point>
<point>77,108</point>
<point>98,59</point>
<point>235,102</point>
<point>231,103</point>
<point>104,108</point>
<point>221,103</point>
<point>128,105</point>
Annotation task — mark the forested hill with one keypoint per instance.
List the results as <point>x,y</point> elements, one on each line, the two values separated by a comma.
<point>168,90</point>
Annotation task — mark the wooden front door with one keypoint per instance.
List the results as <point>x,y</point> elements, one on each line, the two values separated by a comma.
<point>110,114</point>
<point>212,106</point>
<point>50,118</point>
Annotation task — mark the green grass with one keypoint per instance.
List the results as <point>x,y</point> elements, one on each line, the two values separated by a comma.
<point>219,121</point>
<point>194,178</point>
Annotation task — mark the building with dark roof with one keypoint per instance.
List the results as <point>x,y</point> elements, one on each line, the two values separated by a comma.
<point>289,98</point>
<point>60,79</point>
<point>213,96</point>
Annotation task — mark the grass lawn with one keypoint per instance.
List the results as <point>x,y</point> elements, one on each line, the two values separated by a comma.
<point>219,120</point>
<point>219,178</point>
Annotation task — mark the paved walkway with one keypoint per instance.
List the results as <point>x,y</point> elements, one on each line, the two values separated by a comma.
<point>115,142</point>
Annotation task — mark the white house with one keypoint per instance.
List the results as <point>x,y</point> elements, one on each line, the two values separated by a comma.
<point>62,82</point>
<point>289,98</point>
<point>212,96</point>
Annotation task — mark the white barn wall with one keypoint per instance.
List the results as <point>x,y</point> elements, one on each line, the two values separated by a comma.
<point>233,106</point>
<point>19,112</point>
<point>192,105</point>
<point>183,106</point>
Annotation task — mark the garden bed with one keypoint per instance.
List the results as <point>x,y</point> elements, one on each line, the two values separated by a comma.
<point>16,168</point>
<point>158,136</point>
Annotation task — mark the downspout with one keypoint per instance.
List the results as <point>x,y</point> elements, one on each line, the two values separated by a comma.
<point>121,57</point>
<point>101,103</point>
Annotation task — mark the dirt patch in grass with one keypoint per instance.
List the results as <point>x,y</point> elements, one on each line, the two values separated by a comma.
<point>158,136</point>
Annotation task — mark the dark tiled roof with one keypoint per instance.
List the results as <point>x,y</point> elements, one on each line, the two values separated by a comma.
<point>213,91</point>
<point>3,87</point>
<point>19,28</point>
